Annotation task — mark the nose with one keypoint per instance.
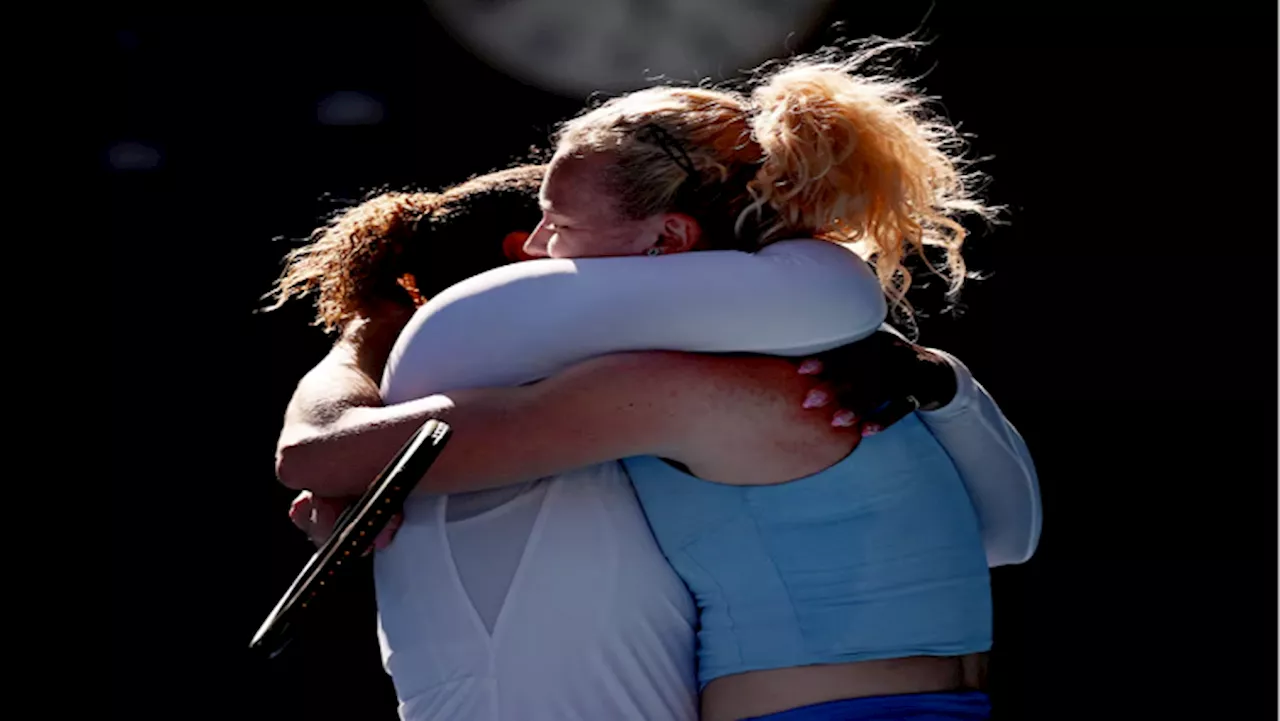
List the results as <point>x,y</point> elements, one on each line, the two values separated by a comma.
<point>536,245</point>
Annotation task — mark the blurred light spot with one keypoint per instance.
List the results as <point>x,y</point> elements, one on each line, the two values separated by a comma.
<point>349,108</point>
<point>133,156</point>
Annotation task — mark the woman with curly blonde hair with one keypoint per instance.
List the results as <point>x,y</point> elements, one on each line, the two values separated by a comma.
<point>835,576</point>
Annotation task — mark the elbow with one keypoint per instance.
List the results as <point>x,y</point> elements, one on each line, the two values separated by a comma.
<point>1023,555</point>
<point>295,466</point>
<point>1022,551</point>
<point>287,471</point>
<point>310,464</point>
<point>1011,552</point>
<point>1007,557</point>
<point>1033,542</point>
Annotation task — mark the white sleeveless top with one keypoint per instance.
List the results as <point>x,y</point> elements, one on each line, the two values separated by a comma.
<point>595,624</point>
<point>487,539</point>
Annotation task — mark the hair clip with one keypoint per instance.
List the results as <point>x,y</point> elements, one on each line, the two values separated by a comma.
<point>660,137</point>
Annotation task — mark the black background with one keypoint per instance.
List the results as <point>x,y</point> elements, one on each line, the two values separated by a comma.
<point>1127,328</point>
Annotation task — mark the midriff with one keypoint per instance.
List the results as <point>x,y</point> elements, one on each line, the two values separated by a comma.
<point>757,693</point>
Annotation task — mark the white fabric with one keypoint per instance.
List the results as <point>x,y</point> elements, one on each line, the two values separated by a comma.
<point>465,505</point>
<point>487,547</point>
<point>595,624</point>
<point>991,456</point>
<point>526,321</point>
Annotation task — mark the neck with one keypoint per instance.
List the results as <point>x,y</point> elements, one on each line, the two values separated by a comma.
<point>372,338</point>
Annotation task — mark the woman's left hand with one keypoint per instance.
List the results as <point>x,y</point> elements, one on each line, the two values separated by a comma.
<point>873,383</point>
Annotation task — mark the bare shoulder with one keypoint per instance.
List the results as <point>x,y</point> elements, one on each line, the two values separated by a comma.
<point>743,415</point>
<point>728,372</point>
<point>702,382</point>
<point>335,384</point>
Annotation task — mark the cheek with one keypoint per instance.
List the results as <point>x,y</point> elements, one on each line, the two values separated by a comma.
<point>622,240</point>
<point>632,239</point>
<point>556,247</point>
<point>572,244</point>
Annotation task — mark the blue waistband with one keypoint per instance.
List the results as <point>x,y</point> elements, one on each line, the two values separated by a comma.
<point>954,706</point>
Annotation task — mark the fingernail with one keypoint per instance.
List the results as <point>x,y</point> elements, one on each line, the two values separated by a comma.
<point>843,419</point>
<point>816,398</point>
<point>811,366</point>
<point>870,430</point>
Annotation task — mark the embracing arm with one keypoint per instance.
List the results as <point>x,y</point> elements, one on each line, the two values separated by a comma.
<point>666,404</point>
<point>989,454</point>
<point>994,464</point>
<point>587,414</point>
<point>540,317</point>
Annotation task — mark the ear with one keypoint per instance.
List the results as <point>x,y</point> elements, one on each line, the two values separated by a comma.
<point>680,233</point>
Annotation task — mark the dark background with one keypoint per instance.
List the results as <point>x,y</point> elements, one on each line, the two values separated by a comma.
<point>1127,328</point>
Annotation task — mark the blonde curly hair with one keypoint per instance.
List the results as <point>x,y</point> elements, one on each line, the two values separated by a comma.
<point>404,247</point>
<point>821,147</point>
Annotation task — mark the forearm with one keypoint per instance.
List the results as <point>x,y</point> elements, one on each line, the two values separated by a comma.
<point>600,410</point>
<point>995,465</point>
<point>343,457</point>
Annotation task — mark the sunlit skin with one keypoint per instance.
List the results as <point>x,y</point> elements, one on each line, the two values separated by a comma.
<point>580,219</point>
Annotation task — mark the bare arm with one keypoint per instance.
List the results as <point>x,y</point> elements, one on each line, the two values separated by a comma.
<point>685,407</point>
<point>341,384</point>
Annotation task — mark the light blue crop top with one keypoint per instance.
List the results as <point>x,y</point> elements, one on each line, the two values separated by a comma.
<point>878,556</point>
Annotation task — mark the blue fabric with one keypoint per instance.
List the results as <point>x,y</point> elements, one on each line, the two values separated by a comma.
<point>960,706</point>
<point>878,556</point>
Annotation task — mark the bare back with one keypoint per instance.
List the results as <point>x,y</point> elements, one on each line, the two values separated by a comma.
<point>761,435</point>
